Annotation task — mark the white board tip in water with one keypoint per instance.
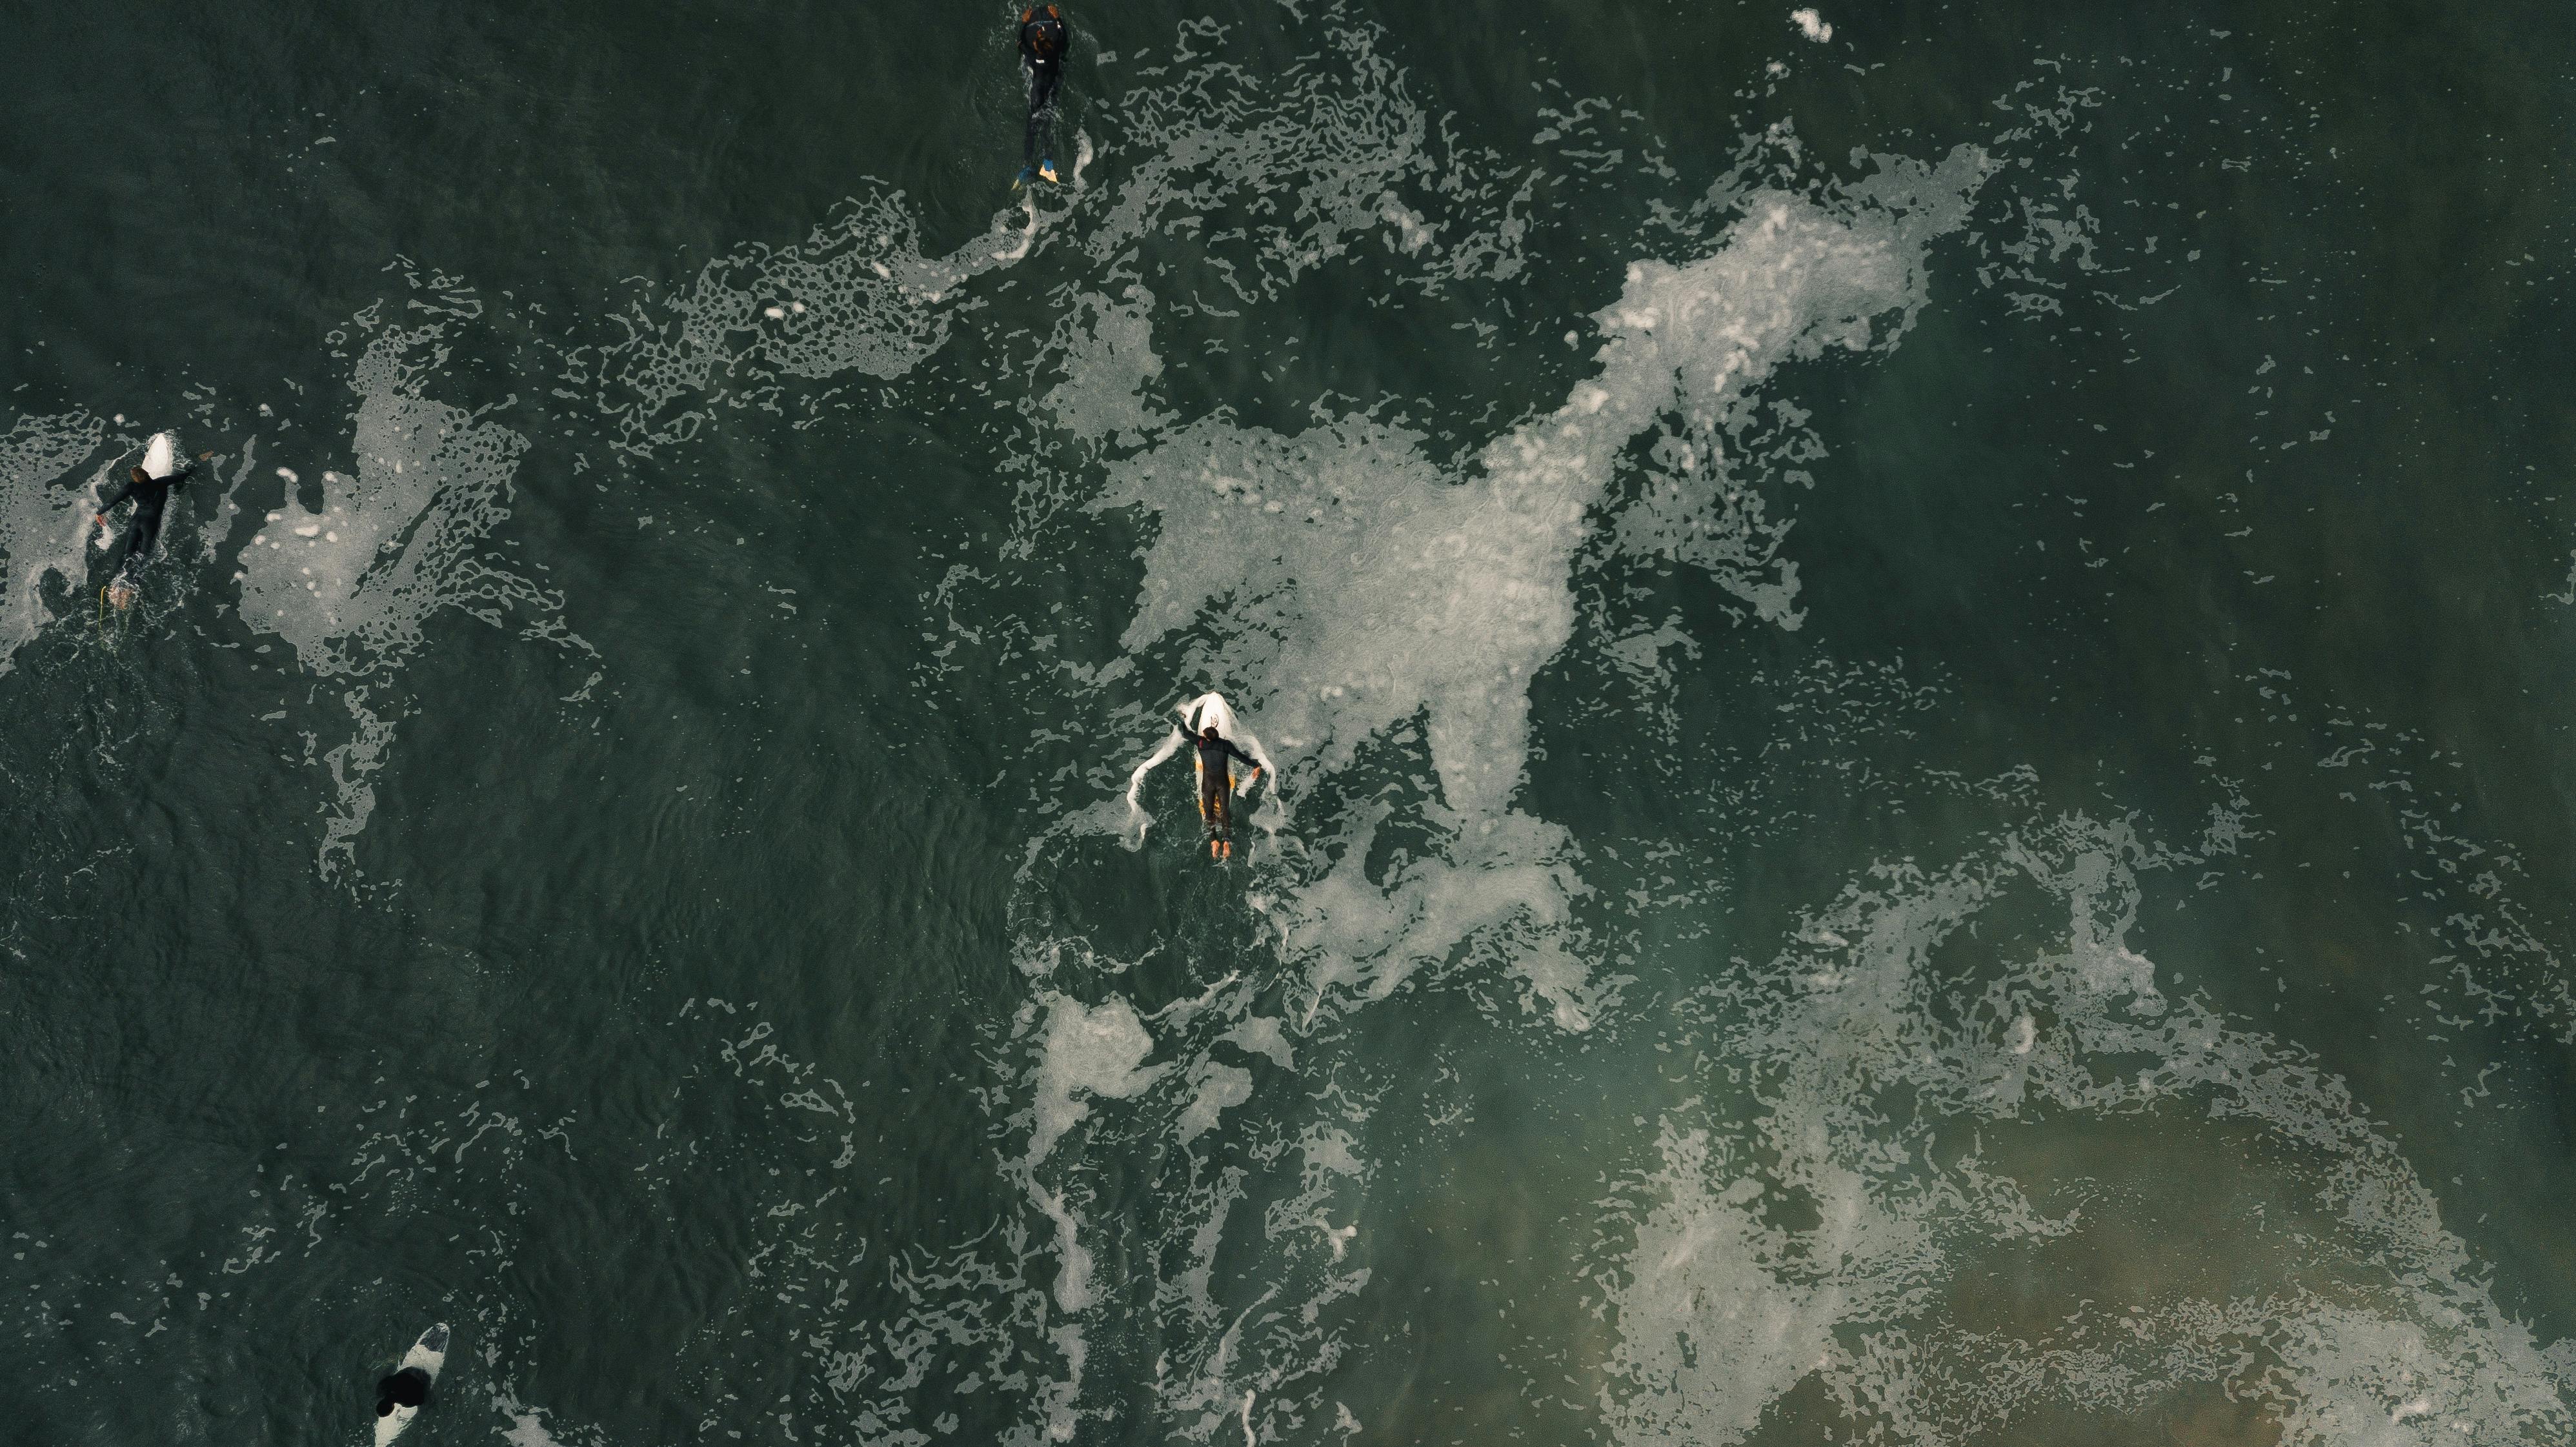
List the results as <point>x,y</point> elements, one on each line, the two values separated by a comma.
<point>161,458</point>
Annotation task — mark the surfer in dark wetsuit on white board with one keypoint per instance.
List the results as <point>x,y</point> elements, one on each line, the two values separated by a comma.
<point>1216,788</point>
<point>151,497</point>
<point>1045,41</point>
<point>406,1388</point>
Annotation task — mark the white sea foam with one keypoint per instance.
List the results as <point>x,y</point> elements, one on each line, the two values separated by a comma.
<point>1811,25</point>
<point>1218,1087</point>
<point>1352,589</point>
<point>1098,1051</point>
<point>399,539</point>
<point>405,526</point>
<point>867,301</point>
<point>1360,586</point>
<point>1723,1305</point>
<point>44,519</point>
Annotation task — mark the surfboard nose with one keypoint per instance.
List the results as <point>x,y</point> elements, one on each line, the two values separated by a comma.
<point>434,1339</point>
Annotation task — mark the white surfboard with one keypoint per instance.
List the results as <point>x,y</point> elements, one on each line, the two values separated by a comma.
<point>427,1355</point>
<point>1211,708</point>
<point>162,458</point>
<point>1196,714</point>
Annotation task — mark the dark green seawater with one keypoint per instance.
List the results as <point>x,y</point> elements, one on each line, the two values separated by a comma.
<point>1918,681</point>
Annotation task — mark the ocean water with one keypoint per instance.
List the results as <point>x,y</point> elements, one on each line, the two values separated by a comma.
<point>1917,663</point>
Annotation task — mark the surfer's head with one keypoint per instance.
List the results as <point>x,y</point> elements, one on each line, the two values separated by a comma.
<point>1208,733</point>
<point>139,475</point>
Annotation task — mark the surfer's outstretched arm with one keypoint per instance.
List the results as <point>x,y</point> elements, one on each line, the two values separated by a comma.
<point>140,488</point>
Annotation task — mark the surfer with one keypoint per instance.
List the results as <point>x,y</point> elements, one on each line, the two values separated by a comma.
<point>1216,789</point>
<point>400,1396</point>
<point>406,1388</point>
<point>1045,40</point>
<point>150,495</point>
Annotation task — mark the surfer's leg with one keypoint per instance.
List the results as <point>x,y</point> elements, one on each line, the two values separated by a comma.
<point>1040,141</point>
<point>1041,95</point>
<point>122,588</point>
<point>1212,810</point>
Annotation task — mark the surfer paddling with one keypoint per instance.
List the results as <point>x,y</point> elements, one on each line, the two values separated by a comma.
<point>151,497</point>
<point>406,1388</point>
<point>400,1396</point>
<point>1216,789</point>
<point>1045,40</point>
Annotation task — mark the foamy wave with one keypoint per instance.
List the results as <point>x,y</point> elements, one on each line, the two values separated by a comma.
<point>44,525</point>
<point>1895,1108</point>
<point>1354,584</point>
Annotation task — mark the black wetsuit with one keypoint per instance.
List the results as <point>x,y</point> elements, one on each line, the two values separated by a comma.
<point>151,497</point>
<point>406,1388</point>
<point>1216,784</point>
<point>1045,41</point>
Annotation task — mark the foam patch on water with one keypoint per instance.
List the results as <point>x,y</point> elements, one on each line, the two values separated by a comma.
<point>1358,584</point>
<point>866,299</point>
<point>402,535</point>
<point>1346,589</point>
<point>1725,1302</point>
<point>1109,363</point>
<point>1105,1082</point>
<point>1811,25</point>
<point>44,519</point>
<point>399,535</point>
<point>1095,1052</point>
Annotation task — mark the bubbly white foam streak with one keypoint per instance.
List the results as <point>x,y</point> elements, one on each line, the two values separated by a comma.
<point>350,585</point>
<point>399,538</point>
<point>1866,1083</point>
<point>1346,585</point>
<point>44,525</point>
<point>1358,587</point>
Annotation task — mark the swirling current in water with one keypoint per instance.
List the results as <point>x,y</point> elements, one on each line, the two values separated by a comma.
<point>1914,665</point>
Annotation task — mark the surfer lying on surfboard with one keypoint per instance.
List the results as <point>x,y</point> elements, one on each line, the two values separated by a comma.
<point>1216,789</point>
<point>400,1397</point>
<point>149,489</point>
<point>1045,40</point>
